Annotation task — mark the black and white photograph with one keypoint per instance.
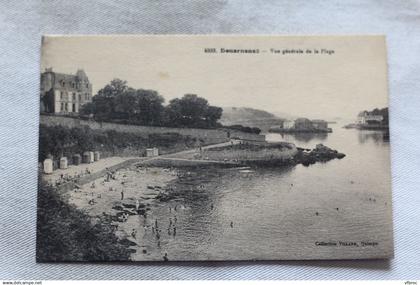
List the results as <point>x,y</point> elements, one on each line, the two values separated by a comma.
<point>213,148</point>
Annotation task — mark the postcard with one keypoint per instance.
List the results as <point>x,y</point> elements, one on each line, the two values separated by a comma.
<point>213,147</point>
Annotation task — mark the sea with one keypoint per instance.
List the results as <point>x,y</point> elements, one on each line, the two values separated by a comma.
<point>340,209</point>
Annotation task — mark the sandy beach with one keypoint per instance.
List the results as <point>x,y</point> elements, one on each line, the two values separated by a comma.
<point>118,196</point>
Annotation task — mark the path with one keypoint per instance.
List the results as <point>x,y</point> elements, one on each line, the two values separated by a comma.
<point>108,162</point>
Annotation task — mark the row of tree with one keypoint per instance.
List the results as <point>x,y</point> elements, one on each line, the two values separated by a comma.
<point>117,102</point>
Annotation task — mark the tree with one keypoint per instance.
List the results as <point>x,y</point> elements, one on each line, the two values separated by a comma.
<point>192,111</point>
<point>117,102</point>
<point>114,88</point>
<point>149,107</point>
<point>65,233</point>
<point>120,103</point>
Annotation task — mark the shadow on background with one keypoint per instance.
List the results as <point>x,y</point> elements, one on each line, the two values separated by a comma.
<point>371,264</point>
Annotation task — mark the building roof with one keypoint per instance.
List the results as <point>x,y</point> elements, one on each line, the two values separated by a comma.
<point>70,80</point>
<point>302,120</point>
<point>81,75</point>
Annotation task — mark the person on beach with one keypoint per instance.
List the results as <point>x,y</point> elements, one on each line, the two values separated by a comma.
<point>93,185</point>
<point>170,222</point>
<point>169,231</point>
<point>165,257</point>
<point>175,207</point>
<point>175,219</point>
<point>212,206</point>
<point>174,231</point>
<point>133,233</point>
<point>156,224</point>
<point>108,174</point>
<point>170,210</point>
<point>122,194</point>
<point>137,204</point>
<point>231,224</point>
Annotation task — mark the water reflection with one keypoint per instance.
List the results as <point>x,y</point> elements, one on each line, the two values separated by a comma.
<point>304,137</point>
<point>378,137</point>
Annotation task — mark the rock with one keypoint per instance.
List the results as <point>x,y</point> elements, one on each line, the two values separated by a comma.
<point>118,208</point>
<point>141,212</point>
<point>340,155</point>
<point>130,206</point>
<point>320,153</point>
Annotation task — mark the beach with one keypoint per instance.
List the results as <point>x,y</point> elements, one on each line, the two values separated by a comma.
<point>117,197</point>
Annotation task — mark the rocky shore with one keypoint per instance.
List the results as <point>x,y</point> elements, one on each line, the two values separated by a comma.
<point>320,153</point>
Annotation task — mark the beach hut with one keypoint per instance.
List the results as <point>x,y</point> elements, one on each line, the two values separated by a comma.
<point>86,157</point>
<point>96,155</point>
<point>151,152</point>
<point>48,166</point>
<point>91,157</point>
<point>63,163</point>
<point>77,159</point>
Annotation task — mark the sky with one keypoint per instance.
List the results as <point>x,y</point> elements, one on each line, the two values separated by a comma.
<point>346,76</point>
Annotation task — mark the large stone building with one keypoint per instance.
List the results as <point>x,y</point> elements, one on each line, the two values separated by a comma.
<point>64,93</point>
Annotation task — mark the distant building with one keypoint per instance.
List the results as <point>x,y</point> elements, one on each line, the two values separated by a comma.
<point>320,124</point>
<point>288,124</point>
<point>367,118</point>
<point>303,124</point>
<point>64,93</point>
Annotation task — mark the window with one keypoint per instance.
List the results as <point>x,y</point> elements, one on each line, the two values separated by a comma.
<point>80,97</point>
<point>74,96</point>
<point>62,107</point>
<point>61,95</point>
<point>66,106</point>
<point>73,108</point>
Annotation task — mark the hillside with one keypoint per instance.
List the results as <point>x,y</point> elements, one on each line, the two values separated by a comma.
<point>249,117</point>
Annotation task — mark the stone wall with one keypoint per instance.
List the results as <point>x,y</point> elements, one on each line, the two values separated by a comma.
<point>210,136</point>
